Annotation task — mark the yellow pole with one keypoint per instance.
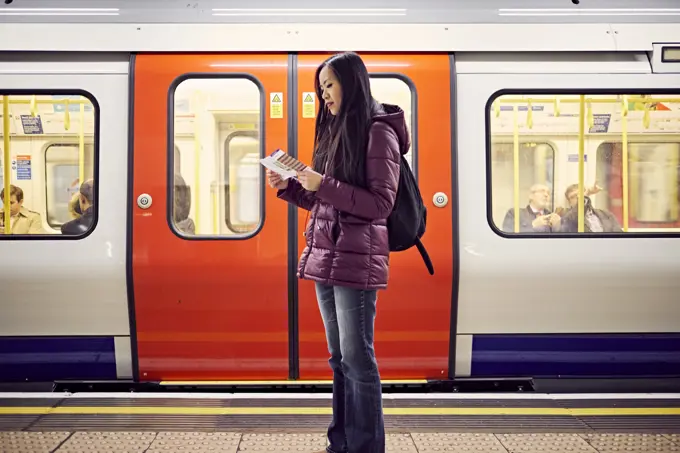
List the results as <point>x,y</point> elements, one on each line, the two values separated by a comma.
<point>624,165</point>
<point>516,166</point>
<point>6,161</point>
<point>581,157</point>
<point>81,146</point>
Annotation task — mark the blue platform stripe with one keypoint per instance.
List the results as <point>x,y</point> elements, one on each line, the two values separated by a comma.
<point>586,355</point>
<point>45,359</point>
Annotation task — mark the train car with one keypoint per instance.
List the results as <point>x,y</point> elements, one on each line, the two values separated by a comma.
<point>185,270</point>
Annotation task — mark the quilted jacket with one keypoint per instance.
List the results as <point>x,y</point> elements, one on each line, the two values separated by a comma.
<point>346,235</point>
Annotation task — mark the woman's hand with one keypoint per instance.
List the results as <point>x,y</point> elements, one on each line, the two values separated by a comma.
<point>310,179</point>
<point>275,181</point>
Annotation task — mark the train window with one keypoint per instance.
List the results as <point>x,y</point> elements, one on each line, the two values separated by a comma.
<point>218,138</point>
<point>52,156</point>
<point>630,163</point>
<point>399,91</point>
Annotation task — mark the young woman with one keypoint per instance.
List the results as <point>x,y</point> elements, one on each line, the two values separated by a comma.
<point>350,191</point>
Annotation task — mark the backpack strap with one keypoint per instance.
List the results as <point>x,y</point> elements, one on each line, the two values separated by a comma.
<point>426,257</point>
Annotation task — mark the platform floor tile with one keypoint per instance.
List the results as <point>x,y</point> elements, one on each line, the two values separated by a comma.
<point>22,442</point>
<point>633,443</point>
<point>118,442</point>
<point>195,442</point>
<point>544,443</point>
<point>400,443</point>
<point>457,442</point>
<point>282,442</point>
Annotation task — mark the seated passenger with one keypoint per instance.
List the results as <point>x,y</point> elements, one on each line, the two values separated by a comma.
<point>182,207</point>
<point>595,220</point>
<point>83,223</point>
<point>535,218</point>
<point>74,206</point>
<point>22,220</point>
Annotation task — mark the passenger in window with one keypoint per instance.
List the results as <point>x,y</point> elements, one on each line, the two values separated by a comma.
<point>83,223</point>
<point>22,220</point>
<point>535,217</point>
<point>595,220</point>
<point>182,207</point>
<point>74,206</point>
<point>350,192</point>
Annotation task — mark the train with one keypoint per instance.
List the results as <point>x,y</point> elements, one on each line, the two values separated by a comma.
<point>186,273</point>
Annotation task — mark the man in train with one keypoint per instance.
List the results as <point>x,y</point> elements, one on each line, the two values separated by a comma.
<point>22,220</point>
<point>83,223</point>
<point>595,221</point>
<point>535,217</point>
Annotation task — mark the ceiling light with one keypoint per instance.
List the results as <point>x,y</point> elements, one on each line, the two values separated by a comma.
<point>60,12</point>
<point>309,12</point>
<point>590,12</point>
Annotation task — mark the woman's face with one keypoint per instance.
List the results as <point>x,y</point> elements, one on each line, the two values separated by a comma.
<point>331,91</point>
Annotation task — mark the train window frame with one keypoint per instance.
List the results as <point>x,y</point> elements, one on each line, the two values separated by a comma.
<point>413,129</point>
<point>170,174</point>
<point>557,92</point>
<point>96,112</point>
<point>48,146</point>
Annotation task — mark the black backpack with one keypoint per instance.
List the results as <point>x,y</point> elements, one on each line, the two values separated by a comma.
<point>406,223</point>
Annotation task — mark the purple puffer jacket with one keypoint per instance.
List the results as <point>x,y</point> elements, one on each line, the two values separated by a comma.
<point>346,236</point>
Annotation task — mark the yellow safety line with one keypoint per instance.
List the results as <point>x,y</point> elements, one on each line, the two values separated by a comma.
<point>284,382</point>
<point>471,411</point>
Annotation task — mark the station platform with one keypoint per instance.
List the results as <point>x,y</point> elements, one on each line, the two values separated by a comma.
<point>420,423</point>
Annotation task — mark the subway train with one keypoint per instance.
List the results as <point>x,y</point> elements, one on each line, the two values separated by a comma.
<point>186,272</point>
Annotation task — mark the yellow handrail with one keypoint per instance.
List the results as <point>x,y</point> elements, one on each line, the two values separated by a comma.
<point>515,150</point>
<point>6,162</point>
<point>624,161</point>
<point>581,153</point>
<point>81,146</point>
<point>573,101</point>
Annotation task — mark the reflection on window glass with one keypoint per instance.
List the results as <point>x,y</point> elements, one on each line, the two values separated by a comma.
<point>62,180</point>
<point>395,91</point>
<point>641,130</point>
<point>242,182</point>
<point>536,166</point>
<point>52,184</point>
<point>217,128</point>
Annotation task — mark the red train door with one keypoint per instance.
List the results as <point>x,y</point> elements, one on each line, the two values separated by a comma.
<point>413,323</point>
<point>209,267</point>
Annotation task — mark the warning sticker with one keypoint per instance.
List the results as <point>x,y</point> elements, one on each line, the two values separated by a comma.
<point>308,104</point>
<point>276,105</point>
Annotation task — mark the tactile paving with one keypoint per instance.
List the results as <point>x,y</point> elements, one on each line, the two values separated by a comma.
<point>120,442</point>
<point>673,438</point>
<point>639,443</point>
<point>196,442</point>
<point>399,443</point>
<point>457,442</point>
<point>282,442</point>
<point>544,443</point>
<point>23,442</point>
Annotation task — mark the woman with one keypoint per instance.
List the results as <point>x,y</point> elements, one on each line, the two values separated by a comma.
<point>350,192</point>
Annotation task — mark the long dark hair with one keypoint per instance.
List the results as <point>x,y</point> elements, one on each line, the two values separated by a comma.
<point>340,141</point>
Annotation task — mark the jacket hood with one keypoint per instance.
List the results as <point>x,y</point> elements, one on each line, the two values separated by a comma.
<point>395,117</point>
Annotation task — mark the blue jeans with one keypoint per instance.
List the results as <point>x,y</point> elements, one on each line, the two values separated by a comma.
<point>349,316</point>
